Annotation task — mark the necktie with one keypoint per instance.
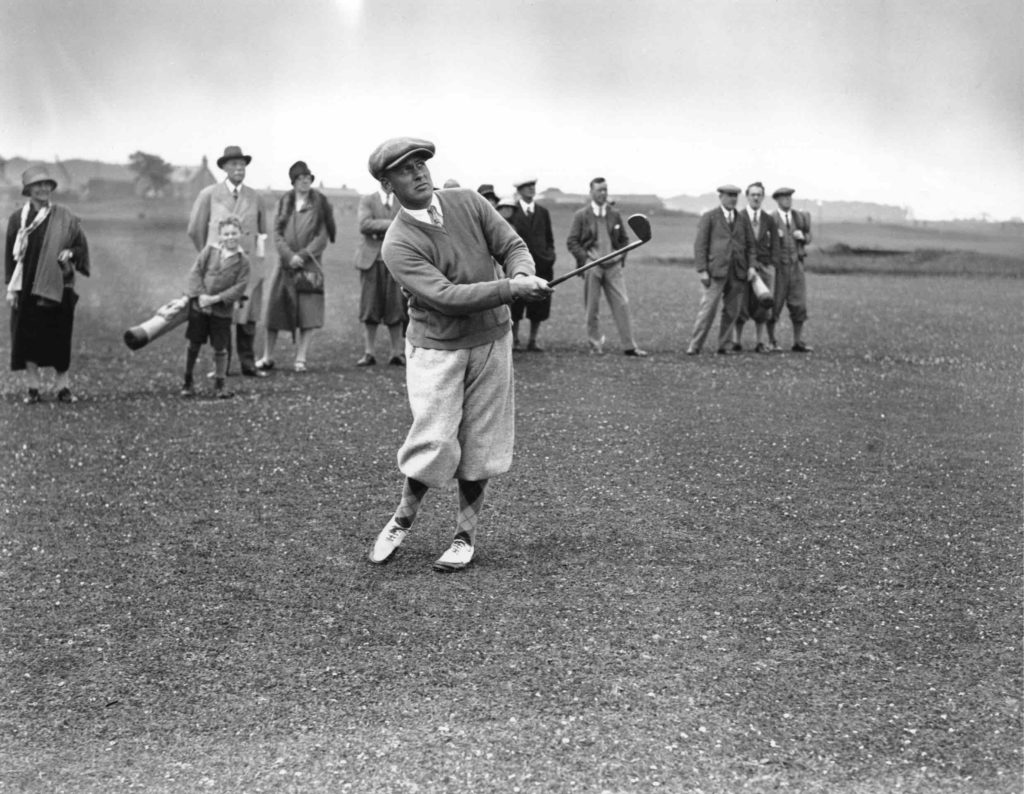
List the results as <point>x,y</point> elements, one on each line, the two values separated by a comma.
<point>235,192</point>
<point>529,211</point>
<point>435,216</point>
<point>729,216</point>
<point>787,220</point>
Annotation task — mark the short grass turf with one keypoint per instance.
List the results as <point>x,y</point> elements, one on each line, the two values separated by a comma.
<point>718,574</point>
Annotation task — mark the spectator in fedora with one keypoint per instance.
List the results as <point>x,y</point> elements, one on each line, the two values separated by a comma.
<point>45,248</point>
<point>532,222</point>
<point>380,298</point>
<point>233,198</point>
<point>303,225</point>
<point>442,248</point>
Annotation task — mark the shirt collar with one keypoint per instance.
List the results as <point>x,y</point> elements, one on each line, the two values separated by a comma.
<point>423,216</point>
<point>597,209</point>
<point>526,206</point>
<point>231,185</point>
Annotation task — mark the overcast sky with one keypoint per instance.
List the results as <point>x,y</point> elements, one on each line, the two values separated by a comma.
<point>918,103</point>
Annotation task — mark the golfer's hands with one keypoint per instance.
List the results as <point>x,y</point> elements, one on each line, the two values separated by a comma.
<point>296,262</point>
<point>206,301</point>
<point>798,235</point>
<point>705,279</point>
<point>751,273</point>
<point>530,288</point>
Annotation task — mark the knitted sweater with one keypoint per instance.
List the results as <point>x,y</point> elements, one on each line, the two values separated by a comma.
<point>453,273</point>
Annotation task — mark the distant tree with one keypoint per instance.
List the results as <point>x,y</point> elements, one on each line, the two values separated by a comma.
<point>151,173</point>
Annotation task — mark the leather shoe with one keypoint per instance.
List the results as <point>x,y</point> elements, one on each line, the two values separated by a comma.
<point>737,347</point>
<point>636,352</point>
<point>800,347</point>
<point>762,348</point>
<point>254,373</point>
<point>366,361</point>
<point>65,396</point>
<point>33,397</point>
<point>533,347</point>
<point>397,361</point>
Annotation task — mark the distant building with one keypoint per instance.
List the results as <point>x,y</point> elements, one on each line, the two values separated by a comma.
<point>635,201</point>
<point>344,199</point>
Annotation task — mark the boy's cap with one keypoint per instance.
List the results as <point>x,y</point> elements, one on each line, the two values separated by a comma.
<point>394,150</point>
<point>232,153</point>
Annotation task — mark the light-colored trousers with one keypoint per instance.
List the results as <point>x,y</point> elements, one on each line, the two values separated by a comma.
<point>612,281</point>
<point>732,291</point>
<point>463,413</point>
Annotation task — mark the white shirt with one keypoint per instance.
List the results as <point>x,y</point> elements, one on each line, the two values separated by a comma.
<point>727,214</point>
<point>236,189</point>
<point>527,208</point>
<point>754,214</point>
<point>786,220</point>
<point>423,215</point>
<point>599,209</point>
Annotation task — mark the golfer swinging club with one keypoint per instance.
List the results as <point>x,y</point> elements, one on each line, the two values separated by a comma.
<point>442,248</point>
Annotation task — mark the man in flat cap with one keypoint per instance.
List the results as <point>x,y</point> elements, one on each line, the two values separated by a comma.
<point>532,222</point>
<point>442,248</point>
<point>597,230</point>
<point>725,255</point>
<point>790,283</point>
<point>380,297</point>
<point>233,198</point>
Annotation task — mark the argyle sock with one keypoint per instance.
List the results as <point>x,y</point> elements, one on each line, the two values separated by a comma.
<point>412,495</point>
<point>471,500</point>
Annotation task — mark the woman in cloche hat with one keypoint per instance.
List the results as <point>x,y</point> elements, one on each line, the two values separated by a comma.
<point>45,248</point>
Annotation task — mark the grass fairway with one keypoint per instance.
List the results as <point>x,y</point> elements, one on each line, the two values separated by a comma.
<point>712,574</point>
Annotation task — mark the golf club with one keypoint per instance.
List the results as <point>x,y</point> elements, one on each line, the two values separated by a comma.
<point>641,228</point>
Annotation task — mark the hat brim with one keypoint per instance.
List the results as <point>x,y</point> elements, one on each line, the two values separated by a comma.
<point>53,183</point>
<point>222,160</point>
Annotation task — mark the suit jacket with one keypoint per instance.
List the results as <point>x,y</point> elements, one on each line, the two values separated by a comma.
<point>216,202</point>
<point>582,240</point>
<point>766,241</point>
<point>536,232</point>
<point>720,248</point>
<point>801,221</point>
<point>374,220</point>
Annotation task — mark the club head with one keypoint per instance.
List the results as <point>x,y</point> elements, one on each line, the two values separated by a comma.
<point>641,226</point>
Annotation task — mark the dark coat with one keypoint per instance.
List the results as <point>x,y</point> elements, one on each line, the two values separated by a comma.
<point>720,248</point>
<point>536,232</point>
<point>582,240</point>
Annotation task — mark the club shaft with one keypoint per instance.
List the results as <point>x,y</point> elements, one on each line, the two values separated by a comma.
<point>596,262</point>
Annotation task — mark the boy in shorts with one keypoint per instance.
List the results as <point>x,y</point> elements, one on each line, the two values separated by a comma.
<point>217,280</point>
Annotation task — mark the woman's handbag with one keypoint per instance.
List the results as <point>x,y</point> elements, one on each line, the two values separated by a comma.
<point>309,279</point>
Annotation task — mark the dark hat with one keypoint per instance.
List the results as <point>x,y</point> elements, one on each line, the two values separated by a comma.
<point>33,175</point>
<point>486,189</point>
<point>232,153</point>
<point>783,191</point>
<point>394,150</point>
<point>299,168</point>
<point>528,180</point>
<point>731,190</point>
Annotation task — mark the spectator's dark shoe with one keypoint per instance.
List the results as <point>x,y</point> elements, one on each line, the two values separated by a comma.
<point>533,347</point>
<point>800,347</point>
<point>762,348</point>
<point>397,361</point>
<point>515,344</point>
<point>722,351</point>
<point>187,391</point>
<point>691,352</point>
<point>776,347</point>
<point>366,361</point>
<point>223,394</point>
<point>65,396</point>
<point>265,364</point>
<point>458,556</point>
<point>737,347</point>
<point>254,373</point>
<point>636,352</point>
<point>33,397</point>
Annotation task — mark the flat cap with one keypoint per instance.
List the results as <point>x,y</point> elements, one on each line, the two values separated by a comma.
<point>783,191</point>
<point>527,180</point>
<point>732,190</point>
<point>394,150</point>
